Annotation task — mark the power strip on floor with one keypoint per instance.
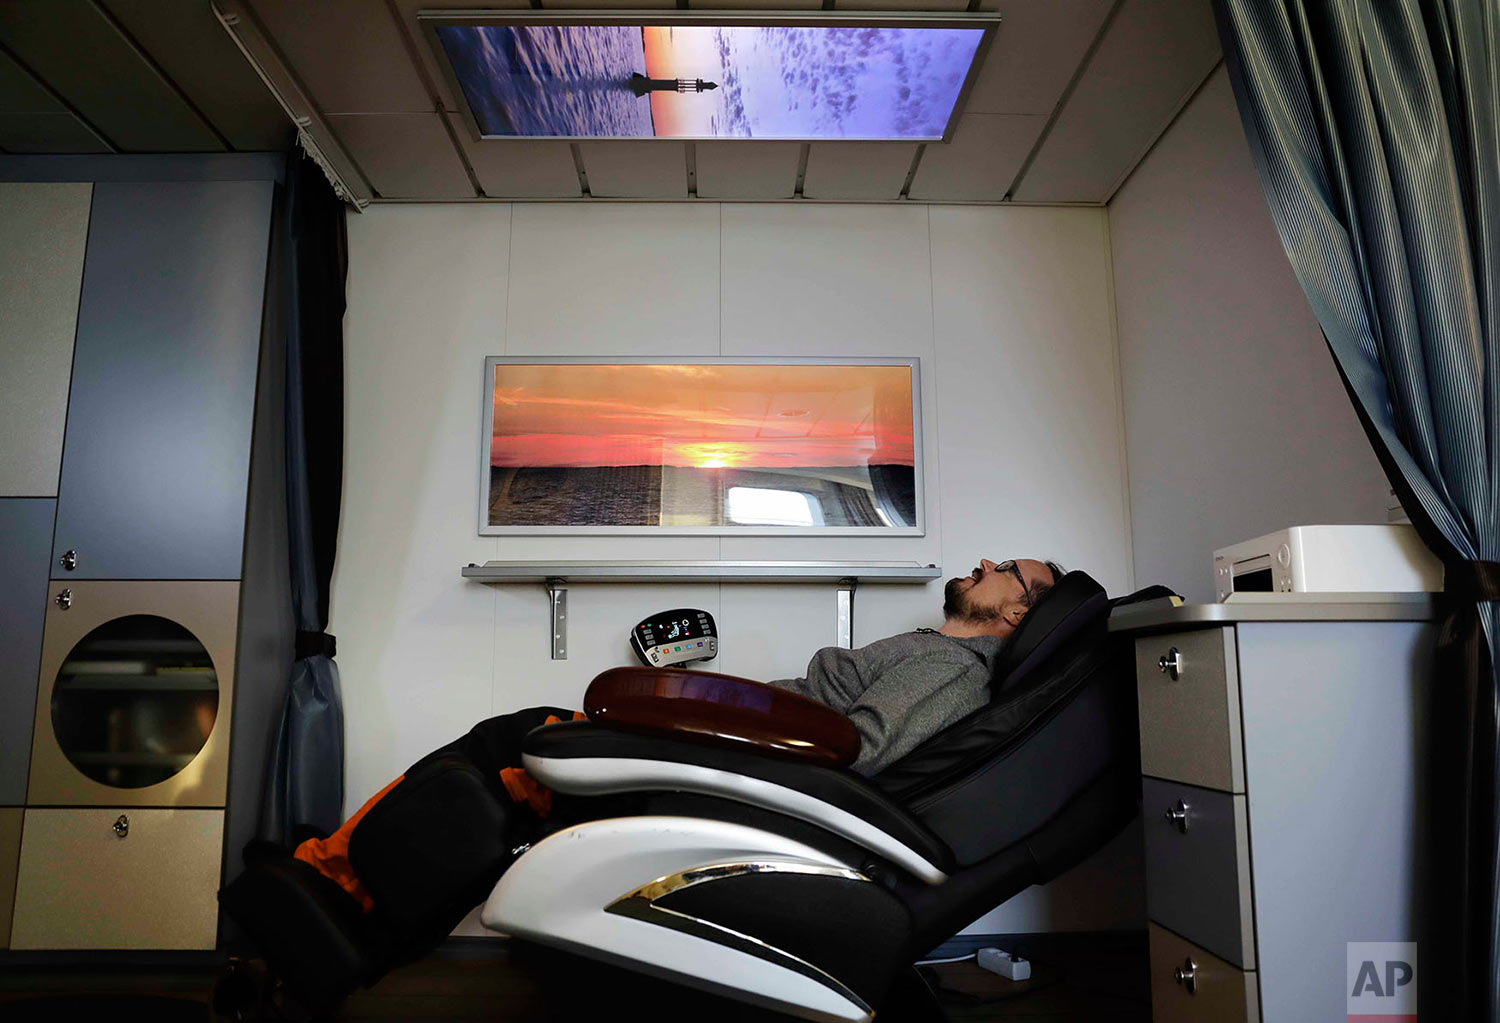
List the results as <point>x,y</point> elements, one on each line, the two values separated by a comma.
<point>999,961</point>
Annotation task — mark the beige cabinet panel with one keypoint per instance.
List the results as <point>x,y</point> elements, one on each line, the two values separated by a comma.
<point>1190,723</point>
<point>82,884</point>
<point>41,272</point>
<point>1215,992</point>
<point>209,611</point>
<point>10,851</point>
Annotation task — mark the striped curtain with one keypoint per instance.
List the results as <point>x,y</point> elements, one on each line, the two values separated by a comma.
<point>1373,128</point>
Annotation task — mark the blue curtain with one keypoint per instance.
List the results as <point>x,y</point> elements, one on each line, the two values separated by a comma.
<point>305,790</point>
<point>1373,128</point>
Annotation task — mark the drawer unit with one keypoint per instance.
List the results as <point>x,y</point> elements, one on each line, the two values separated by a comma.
<point>10,852</point>
<point>1187,686</point>
<point>1282,766</point>
<point>113,878</point>
<point>1191,985</point>
<point>1198,867</point>
<point>134,694</point>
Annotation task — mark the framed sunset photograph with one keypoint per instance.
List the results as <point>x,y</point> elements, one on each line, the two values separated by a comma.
<point>701,75</point>
<point>714,445</point>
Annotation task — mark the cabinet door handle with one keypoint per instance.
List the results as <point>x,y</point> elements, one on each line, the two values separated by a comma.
<point>64,598</point>
<point>1178,815</point>
<point>69,560</point>
<point>1187,975</point>
<point>1170,663</point>
<point>121,826</point>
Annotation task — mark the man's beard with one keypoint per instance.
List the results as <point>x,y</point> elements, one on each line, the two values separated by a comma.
<point>956,604</point>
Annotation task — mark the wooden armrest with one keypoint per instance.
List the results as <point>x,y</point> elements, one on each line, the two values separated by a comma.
<point>722,710</point>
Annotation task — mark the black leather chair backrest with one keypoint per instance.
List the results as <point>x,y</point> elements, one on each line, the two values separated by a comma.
<point>1074,601</point>
<point>1068,621</point>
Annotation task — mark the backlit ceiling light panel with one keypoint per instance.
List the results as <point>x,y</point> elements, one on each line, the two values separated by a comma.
<point>709,75</point>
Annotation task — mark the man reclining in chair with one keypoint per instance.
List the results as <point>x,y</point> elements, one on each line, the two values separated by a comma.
<point>897,692</point>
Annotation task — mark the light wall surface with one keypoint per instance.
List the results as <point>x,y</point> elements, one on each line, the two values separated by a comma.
<point>1236,422</point>
<point>1007,308</point>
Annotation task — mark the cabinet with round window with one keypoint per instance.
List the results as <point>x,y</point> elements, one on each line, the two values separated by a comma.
<point>136,685</point>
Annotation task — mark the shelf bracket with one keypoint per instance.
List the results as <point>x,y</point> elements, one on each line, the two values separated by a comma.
<point>845,612</point>
<point>557,594</point>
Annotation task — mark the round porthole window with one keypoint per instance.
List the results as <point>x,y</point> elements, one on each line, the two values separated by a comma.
<point>135,701</point>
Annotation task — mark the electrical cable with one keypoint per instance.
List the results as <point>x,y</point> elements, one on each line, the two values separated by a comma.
<point>939,962</point>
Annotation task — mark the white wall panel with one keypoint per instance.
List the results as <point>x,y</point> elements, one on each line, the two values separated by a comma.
<point>1252,432</point>
<point>615,279</point>
<point>45,227</point>
<point>1027,402</point>
<point>427,294</point>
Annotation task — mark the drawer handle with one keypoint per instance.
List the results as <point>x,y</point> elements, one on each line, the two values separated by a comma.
<point>1187,975</point>
<point>64,599</point>
<point>121,826</point>
<point>1178,815</point>
<point>69,560</point>
<point>1170,663</point>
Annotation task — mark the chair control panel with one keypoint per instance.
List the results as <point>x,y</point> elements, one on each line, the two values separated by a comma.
<point>675,637</point>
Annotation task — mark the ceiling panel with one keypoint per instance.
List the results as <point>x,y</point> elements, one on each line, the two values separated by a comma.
<point>348,53</point>
<point>636,170</point>
<point>121,94</point>
<point>1035,52</point>
<point>903,5</point>
<point>187,41</point>
<point>747,170</point>
<point>982,160</point>
<point>601,5</point>
<point>39,132</point>
<point>1152,57</point>
<point>405,156</point>
<point>857,170</point>
<point>756,5</point>
<point>21,93</point>
<point>520,168</point>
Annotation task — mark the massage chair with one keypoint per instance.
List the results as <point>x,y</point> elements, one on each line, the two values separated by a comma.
<point>707,834</point>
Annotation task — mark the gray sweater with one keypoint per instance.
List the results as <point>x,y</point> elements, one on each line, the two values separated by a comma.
<point>900,691</point>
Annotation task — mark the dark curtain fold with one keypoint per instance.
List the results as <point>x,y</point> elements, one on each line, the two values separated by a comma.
<point>305,790</point>
<point>1373,128</point>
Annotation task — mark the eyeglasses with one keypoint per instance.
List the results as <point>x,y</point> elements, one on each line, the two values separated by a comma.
<point>1028,595</point>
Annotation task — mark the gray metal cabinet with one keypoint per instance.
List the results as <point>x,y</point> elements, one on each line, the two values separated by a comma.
<point>1283,753</point>
<point>157,451</point>
<point>25,540</point>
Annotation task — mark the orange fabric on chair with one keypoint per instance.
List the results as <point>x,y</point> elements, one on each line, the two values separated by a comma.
<point>523,788</point>
<point>330,856</point>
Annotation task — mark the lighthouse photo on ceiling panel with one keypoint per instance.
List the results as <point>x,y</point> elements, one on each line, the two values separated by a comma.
<point>805,82</point>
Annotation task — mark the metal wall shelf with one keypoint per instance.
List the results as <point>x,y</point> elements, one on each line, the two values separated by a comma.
<point>557,575</point>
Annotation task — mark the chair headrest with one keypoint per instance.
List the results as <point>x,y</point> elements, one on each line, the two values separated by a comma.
<point>1071,604</point>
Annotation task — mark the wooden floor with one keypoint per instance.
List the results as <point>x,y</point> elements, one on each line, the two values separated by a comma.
<point>470,983</point>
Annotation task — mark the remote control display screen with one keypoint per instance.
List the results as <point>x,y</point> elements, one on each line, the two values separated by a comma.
<point>671,628</point>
